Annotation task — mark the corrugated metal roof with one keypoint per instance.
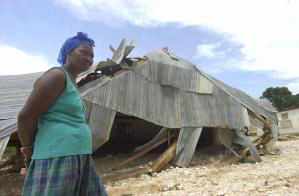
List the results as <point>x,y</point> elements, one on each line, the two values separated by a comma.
<point>7,127</point>
<point>165,89</point>
<point>14,91</point>
<point>132,94</point>
<point>247,101</point>
<point>267,105</point>
<point>167,74</point>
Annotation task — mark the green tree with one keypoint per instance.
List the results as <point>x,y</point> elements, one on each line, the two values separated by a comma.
<point>293,101</point>
<point>279,97</point>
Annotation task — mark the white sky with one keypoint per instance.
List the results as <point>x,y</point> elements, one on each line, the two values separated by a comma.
<point>16,61</point>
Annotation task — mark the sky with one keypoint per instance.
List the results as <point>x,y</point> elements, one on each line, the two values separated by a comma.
<point>248,44</point>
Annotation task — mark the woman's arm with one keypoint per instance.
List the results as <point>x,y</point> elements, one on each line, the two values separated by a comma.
<point>45,91</point>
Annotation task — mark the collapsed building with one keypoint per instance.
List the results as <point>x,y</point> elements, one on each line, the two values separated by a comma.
<point>159,97</point>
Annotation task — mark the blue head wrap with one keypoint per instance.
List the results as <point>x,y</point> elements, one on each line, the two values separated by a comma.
<point>72,43</point>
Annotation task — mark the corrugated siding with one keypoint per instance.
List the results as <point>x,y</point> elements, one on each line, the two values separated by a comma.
<point>161,70</point>
<point>14,92</point>
<point>167,58</point>
<point>132,94</point>
<point>100,122</point>
<point>7,127</point>
<point>160,57</point>
<point>186,145</point>
<point>211,110</point>
<point>267,105</point>
<point>243,98</point>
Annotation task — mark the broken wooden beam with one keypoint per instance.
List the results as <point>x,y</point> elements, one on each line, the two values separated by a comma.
<point>266,140</point>
<point>139,154</point>
<point>165,158</point>
<point>260,118</point>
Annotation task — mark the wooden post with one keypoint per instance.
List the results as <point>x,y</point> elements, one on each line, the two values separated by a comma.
<point>266,137</point>
<point>260,118</point>
<point>165,158</point>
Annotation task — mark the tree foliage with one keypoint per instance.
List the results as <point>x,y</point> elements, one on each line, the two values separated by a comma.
<point>281,97</point>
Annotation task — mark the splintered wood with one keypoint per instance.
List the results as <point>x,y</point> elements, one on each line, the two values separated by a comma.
<point>157,166</point>
<point>139,154</point>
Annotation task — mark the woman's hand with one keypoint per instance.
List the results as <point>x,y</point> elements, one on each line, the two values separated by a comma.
<point>27,153</point>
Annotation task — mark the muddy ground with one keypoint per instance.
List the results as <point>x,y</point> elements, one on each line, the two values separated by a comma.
<point>276,175</point>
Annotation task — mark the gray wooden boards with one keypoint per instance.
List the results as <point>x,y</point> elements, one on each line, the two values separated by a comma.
<point>186,145</point>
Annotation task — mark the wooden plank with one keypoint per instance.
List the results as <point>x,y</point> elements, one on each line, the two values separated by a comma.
<point>259,117</point>
<point>138,154</point>
<point>164,159</point>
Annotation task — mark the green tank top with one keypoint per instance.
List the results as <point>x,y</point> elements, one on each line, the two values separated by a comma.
<point>63,130</point>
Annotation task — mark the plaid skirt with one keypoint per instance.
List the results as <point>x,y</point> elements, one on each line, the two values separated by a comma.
<point>68,176</point>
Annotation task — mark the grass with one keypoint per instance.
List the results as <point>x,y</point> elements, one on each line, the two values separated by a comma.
<point>10,150</point>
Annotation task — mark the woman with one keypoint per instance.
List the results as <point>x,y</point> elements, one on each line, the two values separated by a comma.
<point>55,137</point>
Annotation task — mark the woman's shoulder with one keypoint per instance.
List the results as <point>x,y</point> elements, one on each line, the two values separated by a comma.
<point>53,77</point>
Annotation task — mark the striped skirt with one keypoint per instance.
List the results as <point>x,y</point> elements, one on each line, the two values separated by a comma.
<point>69,176</point>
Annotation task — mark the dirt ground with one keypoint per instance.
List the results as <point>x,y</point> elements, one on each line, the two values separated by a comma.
<point>276,175</point>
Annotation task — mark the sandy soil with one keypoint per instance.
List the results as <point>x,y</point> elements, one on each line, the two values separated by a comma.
<point>276,175</point>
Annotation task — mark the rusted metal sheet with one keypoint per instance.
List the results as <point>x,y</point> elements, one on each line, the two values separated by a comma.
<point>186,145</point>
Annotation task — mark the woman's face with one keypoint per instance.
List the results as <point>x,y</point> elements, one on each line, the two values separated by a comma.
<point>81,58</point>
